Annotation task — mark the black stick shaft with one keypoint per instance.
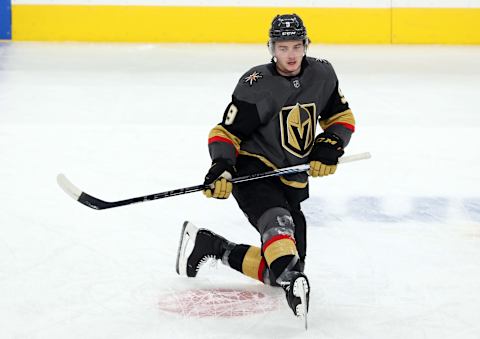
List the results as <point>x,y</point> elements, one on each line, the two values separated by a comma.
<point>98,204</point>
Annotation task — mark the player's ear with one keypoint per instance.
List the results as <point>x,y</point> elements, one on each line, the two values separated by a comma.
<point>271,47</point>
<point>306,43</point>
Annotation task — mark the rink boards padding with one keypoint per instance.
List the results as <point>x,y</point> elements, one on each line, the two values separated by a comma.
<point>200,24</point>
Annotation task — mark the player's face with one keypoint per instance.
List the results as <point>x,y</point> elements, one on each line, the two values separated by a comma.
<point>289,56</point>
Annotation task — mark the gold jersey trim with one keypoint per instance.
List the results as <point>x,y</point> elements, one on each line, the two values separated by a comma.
<point>345,116</point>
<point>220,131</point>
<point>295,184</point>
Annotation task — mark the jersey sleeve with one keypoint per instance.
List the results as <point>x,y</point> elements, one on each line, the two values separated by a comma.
<point>337,117</point>
<point>249,109</point>
<point>239,121</point>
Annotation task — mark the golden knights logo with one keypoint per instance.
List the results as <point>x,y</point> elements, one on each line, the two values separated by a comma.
<point>297,128</point>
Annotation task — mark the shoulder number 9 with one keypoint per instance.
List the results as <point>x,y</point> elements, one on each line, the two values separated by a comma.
<point>231,114</point>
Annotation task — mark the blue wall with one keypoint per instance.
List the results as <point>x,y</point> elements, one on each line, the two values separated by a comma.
<point>5,19</point>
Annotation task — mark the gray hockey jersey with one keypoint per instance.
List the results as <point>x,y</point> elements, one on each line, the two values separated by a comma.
<point>274,118</point>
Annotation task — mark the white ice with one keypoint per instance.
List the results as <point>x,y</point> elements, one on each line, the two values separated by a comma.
<point>394,241</point>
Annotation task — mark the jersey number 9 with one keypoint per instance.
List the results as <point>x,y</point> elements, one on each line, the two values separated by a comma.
<point>231,114</point>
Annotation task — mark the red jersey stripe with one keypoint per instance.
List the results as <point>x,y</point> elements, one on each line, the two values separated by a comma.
<point>222,139</point>
<point>346,125</point>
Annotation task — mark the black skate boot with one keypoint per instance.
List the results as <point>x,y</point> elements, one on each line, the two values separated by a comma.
<point>196,247</point>
<point>297,291</point>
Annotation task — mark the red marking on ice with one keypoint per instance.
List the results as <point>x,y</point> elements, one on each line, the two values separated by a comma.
<point>221,302</point>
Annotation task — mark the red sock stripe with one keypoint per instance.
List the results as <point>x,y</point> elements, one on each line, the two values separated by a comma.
<point>276,238</point>
<point>222,139</point>
<point>348,126</point>
<point>261,268</point>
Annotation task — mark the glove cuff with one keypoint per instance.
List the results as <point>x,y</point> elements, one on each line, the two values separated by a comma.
<point>328,147</point>
<point>226,164</point>
<point>329,140</point>
<point>220,169</point>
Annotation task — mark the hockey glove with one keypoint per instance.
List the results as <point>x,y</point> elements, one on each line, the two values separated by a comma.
<point>217,179</point>
<point>326,150</point>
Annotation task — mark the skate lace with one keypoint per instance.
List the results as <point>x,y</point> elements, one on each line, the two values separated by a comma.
<point>213,263</point>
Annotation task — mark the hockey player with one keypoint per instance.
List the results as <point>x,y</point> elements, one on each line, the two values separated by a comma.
<point>271,123</point>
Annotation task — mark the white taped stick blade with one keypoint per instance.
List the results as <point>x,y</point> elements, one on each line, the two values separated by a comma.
<point>67,186</point>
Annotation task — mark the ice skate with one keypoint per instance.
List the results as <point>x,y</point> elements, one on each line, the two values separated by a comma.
<point>197,246</point>
<point>297,291</point>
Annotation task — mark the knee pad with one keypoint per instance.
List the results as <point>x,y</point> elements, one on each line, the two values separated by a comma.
<point>275,221</point>
<point>278,240</point>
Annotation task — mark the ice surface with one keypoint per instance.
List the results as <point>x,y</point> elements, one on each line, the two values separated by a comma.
<point>394,242</point>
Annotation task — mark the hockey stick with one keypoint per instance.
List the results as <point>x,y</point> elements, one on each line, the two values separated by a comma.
<point>99,204</point>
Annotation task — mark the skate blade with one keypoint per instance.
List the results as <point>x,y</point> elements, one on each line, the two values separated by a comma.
<point>300,290</point>
<point>187,236</point>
